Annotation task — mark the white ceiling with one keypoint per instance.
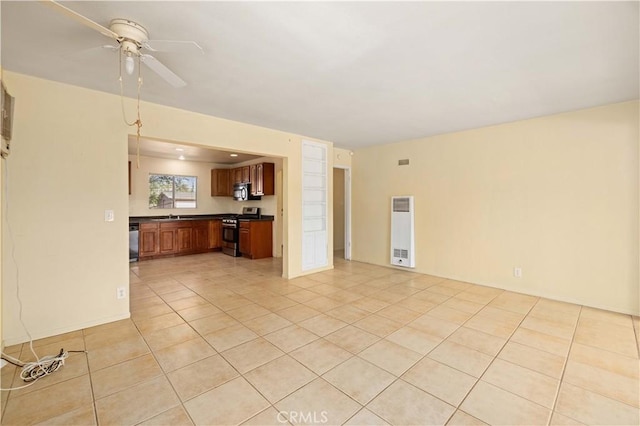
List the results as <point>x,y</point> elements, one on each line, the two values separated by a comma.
<point>355,73</point>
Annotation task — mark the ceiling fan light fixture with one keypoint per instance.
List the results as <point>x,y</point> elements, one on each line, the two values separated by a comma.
<point>129,63</point>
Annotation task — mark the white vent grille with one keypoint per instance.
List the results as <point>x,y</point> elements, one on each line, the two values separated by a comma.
<point>402,232</point>
<point>401,253</point>
<point>401,204</point>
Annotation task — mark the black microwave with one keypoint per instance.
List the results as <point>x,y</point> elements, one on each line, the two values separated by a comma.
<point>242,192</point>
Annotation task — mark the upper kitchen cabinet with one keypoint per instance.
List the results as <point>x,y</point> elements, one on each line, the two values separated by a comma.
<point>241,175</point>
<point>261,176</point>
<point>246,174</point>
<point>221,185</point>
<point>262,179</point>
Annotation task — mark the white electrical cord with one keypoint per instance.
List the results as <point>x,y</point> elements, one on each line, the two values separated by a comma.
<point>31,371</point>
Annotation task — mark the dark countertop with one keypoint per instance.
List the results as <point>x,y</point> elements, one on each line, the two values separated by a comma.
<point>166,218</point>
<point>263,218</point>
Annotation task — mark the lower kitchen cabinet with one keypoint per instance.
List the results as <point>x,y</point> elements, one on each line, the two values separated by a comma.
<point>171,238</point>
<point>148,242</point>
<point>184,239</point>
<point>200,235</point>
<point>167,239</point>
<point>256,240</point>
<point>215,234</point>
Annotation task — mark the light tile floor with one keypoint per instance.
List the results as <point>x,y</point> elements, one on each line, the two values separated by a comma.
<point>220,340</point>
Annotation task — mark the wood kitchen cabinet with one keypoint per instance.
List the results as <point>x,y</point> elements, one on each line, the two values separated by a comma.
<point>261,176</point>
<point>184,239</point>
<point>246,174</point>
<point>171,238</point>
<point>221,185</point>
<point>200,235</point>
<point>192,236</point>
<point>256,241</point>
<point>236,176</point>
<point>215,234</point>
<point>168,240</point>
<point>262,179</point>
<point>148,240</point>
<point>240,175</point>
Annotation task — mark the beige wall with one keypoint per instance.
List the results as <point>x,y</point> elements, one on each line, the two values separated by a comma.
<point>66,167</point>
<point>338,209</point>
<point>69,164</point>
<point>206,204</point>
<point>342,157</point>
<point>556,196</point>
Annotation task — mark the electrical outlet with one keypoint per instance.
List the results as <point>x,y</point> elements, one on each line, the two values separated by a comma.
<point>517,272</point>
<point>121,293</point>
<point>108,216</point>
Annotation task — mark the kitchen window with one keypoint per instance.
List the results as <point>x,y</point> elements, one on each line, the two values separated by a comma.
<point>172,191</point>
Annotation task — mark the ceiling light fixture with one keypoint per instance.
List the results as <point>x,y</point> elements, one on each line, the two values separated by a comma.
<point>233,155</point>
<point>181,157</point>
<point>129,64</point>
<point>180,149</point>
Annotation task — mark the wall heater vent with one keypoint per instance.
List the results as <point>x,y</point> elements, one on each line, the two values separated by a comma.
<point>402,232</point>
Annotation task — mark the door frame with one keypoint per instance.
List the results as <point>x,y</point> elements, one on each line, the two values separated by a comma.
<point>347,210</point>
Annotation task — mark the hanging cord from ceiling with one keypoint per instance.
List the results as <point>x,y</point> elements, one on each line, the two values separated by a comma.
<point>138,121</point>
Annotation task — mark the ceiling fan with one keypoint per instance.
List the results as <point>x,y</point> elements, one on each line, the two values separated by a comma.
<point>131,39</point>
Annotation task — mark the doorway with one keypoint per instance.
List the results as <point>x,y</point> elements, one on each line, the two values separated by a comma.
<point>342,213</point>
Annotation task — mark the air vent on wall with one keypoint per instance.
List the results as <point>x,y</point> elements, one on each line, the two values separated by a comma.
<point>402,232</point>
<point>401,253</point>
<point>404,162</point>
<point>401,204</point>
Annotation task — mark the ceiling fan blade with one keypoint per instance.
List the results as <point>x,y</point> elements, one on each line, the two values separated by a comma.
<point>164,72</point>
<point>82,19</point>
<point>173,46</point>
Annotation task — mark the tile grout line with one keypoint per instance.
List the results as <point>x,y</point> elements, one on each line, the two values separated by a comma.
<point>93,394</point>
<point>636,333</point>
<point>496,355</point>
<point>426,356</point>
<point>564,368</point>
<point>164,373</point>
<point>218,353</point>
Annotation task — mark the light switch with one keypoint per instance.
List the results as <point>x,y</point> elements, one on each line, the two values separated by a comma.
<point>108,216</point>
